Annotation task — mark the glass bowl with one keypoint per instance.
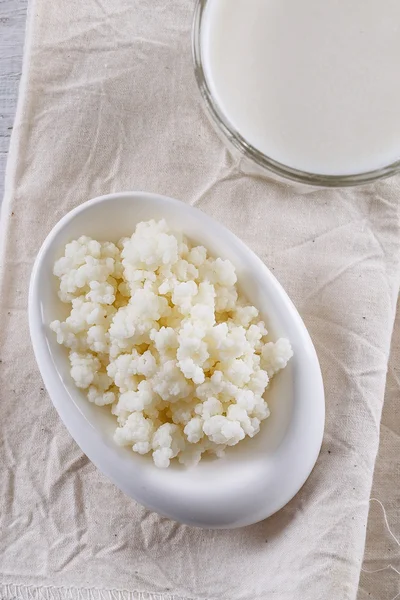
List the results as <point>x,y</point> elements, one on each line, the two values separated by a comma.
<point>261,163</point>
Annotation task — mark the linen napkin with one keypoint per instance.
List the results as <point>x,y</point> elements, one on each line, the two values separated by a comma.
<point>380,576</point>
<point>108,102</point>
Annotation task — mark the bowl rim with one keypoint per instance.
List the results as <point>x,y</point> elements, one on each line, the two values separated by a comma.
<point>85,434</point>
<point>235,140</point>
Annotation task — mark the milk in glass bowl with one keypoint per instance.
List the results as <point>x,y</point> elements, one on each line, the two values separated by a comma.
<point>306,89</point>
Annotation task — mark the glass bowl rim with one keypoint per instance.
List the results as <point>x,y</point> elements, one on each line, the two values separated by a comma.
<point>230,134</point>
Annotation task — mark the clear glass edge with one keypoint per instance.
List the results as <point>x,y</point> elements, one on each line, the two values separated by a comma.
<point>266,164</point>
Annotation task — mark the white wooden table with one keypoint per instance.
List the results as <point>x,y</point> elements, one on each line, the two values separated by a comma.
<point>12,32</point>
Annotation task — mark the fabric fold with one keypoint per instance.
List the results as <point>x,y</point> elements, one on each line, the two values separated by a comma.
<point>108,102</point>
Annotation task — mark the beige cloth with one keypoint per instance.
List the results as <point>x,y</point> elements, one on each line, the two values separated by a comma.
<point>380,576</point>
<point>108,102</point>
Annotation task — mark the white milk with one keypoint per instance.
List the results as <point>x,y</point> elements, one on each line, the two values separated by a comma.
<point>313,84</point>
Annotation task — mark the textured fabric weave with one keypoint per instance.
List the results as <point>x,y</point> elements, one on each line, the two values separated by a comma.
<point>108,103</point>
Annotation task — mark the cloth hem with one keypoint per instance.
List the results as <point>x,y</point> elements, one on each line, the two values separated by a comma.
<point>15,145</point>
<point>11,591</point>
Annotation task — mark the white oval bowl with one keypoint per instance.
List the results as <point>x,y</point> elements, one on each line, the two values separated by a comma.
<point>257,477</point>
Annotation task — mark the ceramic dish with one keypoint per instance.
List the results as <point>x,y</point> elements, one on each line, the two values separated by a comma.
<point>260,475</point>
